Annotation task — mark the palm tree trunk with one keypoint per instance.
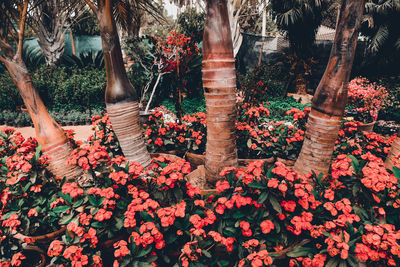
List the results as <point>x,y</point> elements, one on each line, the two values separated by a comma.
<point>121,98</point>
<point>394,152</point>
<point>219,82</point>
<point>49,134</point>
<point>330,98</point>
<point>300,82</point>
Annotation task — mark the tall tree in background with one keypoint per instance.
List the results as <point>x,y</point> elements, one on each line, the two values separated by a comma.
<point>121,98</point>
<point>300,21</point>
<point>50,135</point>
<point>330,98</point>
<point>50,18</point>
<point>219,82</point>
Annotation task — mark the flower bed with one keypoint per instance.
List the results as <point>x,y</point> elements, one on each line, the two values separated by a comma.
<point>258,137</point>
<point>365,99</point>
<point>259,215</point>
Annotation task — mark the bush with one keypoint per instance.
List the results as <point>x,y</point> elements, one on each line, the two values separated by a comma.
<point>9,95</point>
<point>60,88</point>
<point>189,105</point>
<point>258,216</point>
<point>278,107</point>
<point>393,106</point>
<point>272,77</point>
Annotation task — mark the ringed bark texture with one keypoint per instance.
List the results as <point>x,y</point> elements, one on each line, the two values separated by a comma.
<point>219,82</point>
<point>49,134</point>
<point>394,152</point>
<point>121,98</point>
<point>330,99</point>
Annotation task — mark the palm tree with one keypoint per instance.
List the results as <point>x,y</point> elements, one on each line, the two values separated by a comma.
<point>394,152</point>
<point>300,21</point>
<point>219,82</point>
<point>330,98</point>
<point>50,135</point>
<point>50,18</point>
<point>121,98</point>
<point>381,25</point>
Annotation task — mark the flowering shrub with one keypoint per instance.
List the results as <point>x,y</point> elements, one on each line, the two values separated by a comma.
<point>27,191</point>
<point>196,138</point>
<point>162,135</point>
<point>257,136</point>
<point>355,142</point>
<point>258,216</point>
<point>366,99</point>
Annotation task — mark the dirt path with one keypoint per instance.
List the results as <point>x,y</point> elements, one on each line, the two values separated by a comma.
<point>81,132</point>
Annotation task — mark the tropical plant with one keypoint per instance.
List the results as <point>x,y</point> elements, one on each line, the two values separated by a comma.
<point>50,19</point>
<point>120,97</point>
<point>380,25</point>
<point>13,16</point>
<point>330,99</point>
<point>219,91</point>
<point>300,21</point>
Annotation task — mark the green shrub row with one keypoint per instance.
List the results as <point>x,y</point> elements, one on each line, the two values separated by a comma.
<point>61,88</point>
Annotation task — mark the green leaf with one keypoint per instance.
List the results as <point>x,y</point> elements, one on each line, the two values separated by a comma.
<point>66,197</point>
<point>275,204</point>
<point>262,197</point>
<point>396,172</point>
<point>60,209</point>
<point>143,252</point>
<point>206,253</point>
<point>78,203</point>
<point>27,186</point>
<point>299,252</point>
<point>93,201</point>
<point>360,212</point>
<point>97,225</point>
<point>355,163</point>
<point>37,153</point>
<point>66,219</point>
<point>332,263</point>
<point>257,186</point>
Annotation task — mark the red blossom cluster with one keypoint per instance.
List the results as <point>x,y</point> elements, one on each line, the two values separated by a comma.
<point>89,156</point>
<point>367,98</point>
<point>379,244</point>
<point>147,235</point>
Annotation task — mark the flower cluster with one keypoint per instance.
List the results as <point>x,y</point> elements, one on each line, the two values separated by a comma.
<point>366,98</point>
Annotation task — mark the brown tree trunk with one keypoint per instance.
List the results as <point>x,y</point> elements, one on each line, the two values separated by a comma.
<point>49,134</point>
<point>330,98</point>
<point>219,82</point>
<point>300,83</point>
<point>121,98</point>
<point>394,152</point>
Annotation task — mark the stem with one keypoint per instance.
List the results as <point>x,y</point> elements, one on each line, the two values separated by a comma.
<point>152,93</point>
<point>21,32</point>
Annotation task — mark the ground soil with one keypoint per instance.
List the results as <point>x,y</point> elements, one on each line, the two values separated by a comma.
<point>81,132</point>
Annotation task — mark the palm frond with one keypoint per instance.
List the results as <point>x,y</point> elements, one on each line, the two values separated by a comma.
<point>381,36</point>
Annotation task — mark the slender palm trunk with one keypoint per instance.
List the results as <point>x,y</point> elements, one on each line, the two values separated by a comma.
<point>49,134</point>
<point>330,98</point>
<point>121,98</point>
<point>394,152</point>
<point>219,82</point>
